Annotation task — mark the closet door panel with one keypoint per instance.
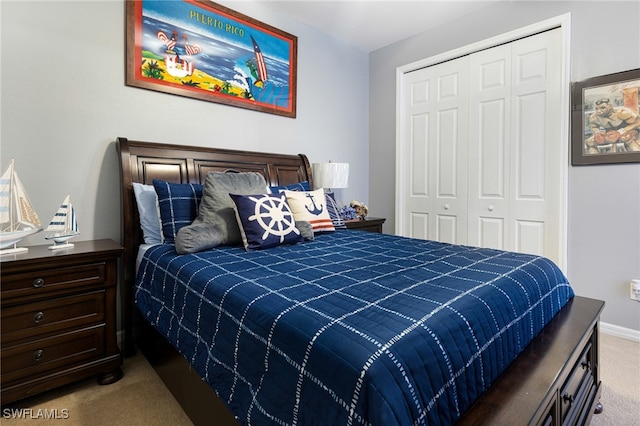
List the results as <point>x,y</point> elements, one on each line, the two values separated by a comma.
<point>489,150</point>
<point>529,237</point>
<point>447,229</point>
<point>529,147</point>
<point>418,171</point>
<point>419,156</point>
<point>419,223</point>
<point>491,232</point>
<point>483,151</point>
<point>447,147</point>
<point>451,150</point>
<point>536,198</point>
<point>435,151</point>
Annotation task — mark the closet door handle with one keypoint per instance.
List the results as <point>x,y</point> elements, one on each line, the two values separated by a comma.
<point>490,208</point>
<point>446,206</point>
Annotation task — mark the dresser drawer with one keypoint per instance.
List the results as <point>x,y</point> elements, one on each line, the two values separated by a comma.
<point>34,283</point>
<point>575,390</point>
<point>32,319</point>
<point>61,351</point>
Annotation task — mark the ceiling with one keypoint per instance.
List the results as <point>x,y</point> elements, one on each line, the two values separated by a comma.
<point>372,24</point>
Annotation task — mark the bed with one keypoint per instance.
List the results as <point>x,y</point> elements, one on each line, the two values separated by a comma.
<point>346,328</point>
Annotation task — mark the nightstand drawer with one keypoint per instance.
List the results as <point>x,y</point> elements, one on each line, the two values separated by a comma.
<point>44,281</point>
<point>59,351</point>
<point>370,224</point>
<point>31,319</point>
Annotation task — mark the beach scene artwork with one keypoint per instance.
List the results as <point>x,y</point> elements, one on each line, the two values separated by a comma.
<point>203,50</point>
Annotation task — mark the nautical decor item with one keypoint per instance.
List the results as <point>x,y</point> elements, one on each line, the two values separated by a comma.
<point>63,226</point>
<point>361,208</point>
<point>18,219</point>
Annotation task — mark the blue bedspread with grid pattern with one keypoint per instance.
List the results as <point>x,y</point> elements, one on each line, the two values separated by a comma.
<point>351,328</point>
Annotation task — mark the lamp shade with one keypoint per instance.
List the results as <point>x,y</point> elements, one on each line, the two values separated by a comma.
<point>331,175</point>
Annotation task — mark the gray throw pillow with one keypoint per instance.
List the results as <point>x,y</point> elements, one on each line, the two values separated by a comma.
<point>217,207</point>
<point>306,230</point>
<point>197,237</point>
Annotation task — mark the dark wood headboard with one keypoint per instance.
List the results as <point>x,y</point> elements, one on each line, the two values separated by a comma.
<point>144,161</point>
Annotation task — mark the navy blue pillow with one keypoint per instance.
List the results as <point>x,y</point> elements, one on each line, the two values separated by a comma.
<point>300,186</point>
<point>179,203</point>
<point>265,221</point>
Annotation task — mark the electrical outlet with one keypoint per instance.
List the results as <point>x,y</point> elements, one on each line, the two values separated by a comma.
<point>634,290</point>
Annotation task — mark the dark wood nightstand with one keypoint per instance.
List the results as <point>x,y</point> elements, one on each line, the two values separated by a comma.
<point>58,313</point>
<point>370,224</point>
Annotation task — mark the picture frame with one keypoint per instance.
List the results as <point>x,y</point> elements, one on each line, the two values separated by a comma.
<point>605,119</point>
<point>203,50</point>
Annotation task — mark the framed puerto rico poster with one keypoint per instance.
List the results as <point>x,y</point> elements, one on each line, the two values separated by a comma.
<point>203,50</point>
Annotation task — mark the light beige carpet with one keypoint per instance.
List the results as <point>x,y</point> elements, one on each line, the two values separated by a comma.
<point>140,397</point>
<point>620,375</point>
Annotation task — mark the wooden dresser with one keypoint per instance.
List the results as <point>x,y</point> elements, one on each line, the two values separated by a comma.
<point>58,317</point>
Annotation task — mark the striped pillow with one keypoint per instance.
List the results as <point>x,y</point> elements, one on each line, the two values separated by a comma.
<point>334,211</point>
<point>310,206</point>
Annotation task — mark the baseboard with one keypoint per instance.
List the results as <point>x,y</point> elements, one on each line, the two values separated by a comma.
<point>623,332</point>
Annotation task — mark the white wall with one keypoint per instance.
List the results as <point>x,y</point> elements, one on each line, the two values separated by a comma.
<point>64,101</point>
<point>604,201</point>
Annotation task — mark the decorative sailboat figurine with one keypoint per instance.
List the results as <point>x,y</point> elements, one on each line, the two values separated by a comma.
<point>18,219</point>
<point>63,226</point>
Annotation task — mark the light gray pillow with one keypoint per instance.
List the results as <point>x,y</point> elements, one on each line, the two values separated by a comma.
<point>197,237</point>
<point>217,207</point>
<point>147,201</point>
<point>306,230</point>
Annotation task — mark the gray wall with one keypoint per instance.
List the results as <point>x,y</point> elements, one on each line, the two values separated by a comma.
<point>604,201</point>
<point>64,102</point>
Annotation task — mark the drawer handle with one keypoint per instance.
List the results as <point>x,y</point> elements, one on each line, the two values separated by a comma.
<point>38,282</point>
<point>568,398</point>
<point>37,355</point>
<point>38,317</point>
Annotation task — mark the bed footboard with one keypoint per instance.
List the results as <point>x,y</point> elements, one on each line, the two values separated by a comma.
<point>548,383</point>
<point>556,380</point>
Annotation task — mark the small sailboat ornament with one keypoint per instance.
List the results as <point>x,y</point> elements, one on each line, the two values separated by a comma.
<point>18,219</point>
<point>63,226</point>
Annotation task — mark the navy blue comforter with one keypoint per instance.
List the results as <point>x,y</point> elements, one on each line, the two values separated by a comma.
<point>351,328</point>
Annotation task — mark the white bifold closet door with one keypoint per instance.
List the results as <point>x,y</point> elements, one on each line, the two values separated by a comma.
<point>482,161</point>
